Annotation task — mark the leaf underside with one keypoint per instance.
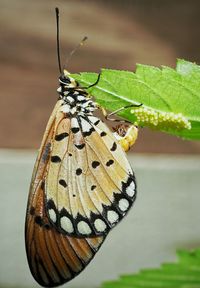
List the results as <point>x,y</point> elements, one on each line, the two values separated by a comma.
<point>160,90</point>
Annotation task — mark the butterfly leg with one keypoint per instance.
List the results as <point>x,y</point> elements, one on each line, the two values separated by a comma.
<point>108,116</point>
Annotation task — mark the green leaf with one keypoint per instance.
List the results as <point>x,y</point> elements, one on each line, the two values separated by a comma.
<point>170,98</point>
<point>183,274</point>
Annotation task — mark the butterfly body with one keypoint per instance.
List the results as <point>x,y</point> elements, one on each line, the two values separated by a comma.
<point>76,101</point>
<point>82,186</point>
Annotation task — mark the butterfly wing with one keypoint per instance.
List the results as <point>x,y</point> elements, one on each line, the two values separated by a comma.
<point>54,258</point>
<point>90,185</point>
<point>111,174</point>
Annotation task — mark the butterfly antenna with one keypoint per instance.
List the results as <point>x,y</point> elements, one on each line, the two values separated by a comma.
<point>75,49</point>
<point>58,38</point>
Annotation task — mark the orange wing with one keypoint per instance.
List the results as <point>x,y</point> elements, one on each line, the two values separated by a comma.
<point>53,258</point>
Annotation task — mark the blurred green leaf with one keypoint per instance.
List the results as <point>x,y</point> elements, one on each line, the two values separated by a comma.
<point>183,274</point>
<point>162,91</point>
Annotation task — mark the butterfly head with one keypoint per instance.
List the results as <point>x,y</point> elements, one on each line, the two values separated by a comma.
<point>67,82</point>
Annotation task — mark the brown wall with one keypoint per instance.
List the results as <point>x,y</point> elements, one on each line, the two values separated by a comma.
<point>121,34</point>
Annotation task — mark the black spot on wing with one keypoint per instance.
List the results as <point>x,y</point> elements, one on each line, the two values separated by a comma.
<point>109,163</point>
<point>96,122</point>
<point>95,164</point>
<point>38,220</point>
<point>114,147</point>
<point>51,204</point>
<point>63,183</point>
<point>103,133</point>
<point>61,136</point>
<point>47,226</point>
<point>75,130</point>
<point>88,133</point>
<point>55,159</point>
<point>80,146</point>
<point>78,171</point>
<point>93,187</point>
<point>32,210</point>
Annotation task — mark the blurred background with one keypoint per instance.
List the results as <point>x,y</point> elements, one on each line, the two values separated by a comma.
<point>121,34</point>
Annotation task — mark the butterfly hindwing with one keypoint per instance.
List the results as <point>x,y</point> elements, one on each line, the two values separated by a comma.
<point>89,184</point>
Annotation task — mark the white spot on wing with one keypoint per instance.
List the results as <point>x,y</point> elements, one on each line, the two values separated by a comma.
<point>65,108</point>
<point>84,228</point>
<point>93,119</point>
<point>130,190</point>
<point>70,99</point>
<point>74,123</point>
<point>123,204</point>
<point>66,224</point>
<point>73,110</point>
<point>100,225</point>
<point>52,215</point>
<point>112,216</point>
<point>86,127</point>
<point>80,98</point>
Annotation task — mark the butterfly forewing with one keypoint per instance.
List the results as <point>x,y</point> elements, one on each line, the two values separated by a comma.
<point>54,258</point>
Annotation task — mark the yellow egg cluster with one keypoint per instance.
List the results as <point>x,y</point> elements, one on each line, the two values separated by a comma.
<point>165,120</point>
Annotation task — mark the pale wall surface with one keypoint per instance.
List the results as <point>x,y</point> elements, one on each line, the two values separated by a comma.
<point>165,217</point>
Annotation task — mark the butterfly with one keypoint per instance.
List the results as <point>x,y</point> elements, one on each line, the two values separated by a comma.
<point>82,186</point>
